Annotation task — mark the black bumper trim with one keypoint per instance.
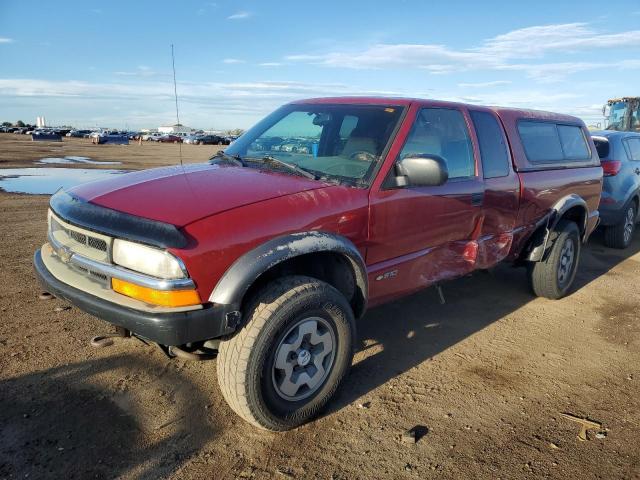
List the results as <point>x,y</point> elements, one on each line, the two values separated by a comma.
<point>175,328</point>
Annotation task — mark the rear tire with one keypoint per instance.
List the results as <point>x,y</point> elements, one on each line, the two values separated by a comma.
<point>282,368</point>
<point>621,234</point>
<point>552,277</point>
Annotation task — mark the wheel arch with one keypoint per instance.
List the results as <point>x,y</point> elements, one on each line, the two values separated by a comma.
<point>571,207</point>
<point>326,256</point>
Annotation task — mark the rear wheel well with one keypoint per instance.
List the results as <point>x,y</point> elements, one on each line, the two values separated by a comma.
<point>578,215</point>
<point>537,245</point>
<point>330,267</point>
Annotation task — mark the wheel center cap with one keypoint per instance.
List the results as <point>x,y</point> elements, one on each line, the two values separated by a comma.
<point>304,357</point>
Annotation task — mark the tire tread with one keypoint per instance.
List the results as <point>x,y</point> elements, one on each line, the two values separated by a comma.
<point>234,354</point>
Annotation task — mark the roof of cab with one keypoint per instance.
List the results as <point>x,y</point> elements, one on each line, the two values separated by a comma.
<point>358,100</point>
<point>518,113</point>
<point>503,112</point>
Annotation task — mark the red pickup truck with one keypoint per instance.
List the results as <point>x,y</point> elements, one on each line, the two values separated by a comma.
<point>269,252</point>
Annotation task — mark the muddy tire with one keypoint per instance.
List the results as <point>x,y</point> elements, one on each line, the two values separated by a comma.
<point>621,234</point>
<point>552,277</point>
<point>297,345</point>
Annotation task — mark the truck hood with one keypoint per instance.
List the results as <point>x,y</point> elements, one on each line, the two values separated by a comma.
<point>182,195</point>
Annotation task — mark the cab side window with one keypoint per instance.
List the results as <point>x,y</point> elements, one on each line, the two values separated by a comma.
<point>493,149</point>
<point>442,132</point>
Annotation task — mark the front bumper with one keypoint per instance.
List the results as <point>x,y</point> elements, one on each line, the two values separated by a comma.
<point>171,328</point>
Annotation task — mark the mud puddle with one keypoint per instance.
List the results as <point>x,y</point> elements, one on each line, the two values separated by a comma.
<point>72,160</point>
<point>46,181</point>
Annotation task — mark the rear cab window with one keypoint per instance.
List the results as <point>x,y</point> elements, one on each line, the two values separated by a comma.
<point>553,143</point>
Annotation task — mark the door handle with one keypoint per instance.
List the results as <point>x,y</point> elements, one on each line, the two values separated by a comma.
<point>637,171</point>
<point>477,198</point>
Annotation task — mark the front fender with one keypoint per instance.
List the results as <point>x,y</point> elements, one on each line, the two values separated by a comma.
<point>233,285</point>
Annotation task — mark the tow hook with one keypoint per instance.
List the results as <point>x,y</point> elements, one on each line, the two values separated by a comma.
<point>193,356</point>
<point>101,341</point>
<point>207,351</point>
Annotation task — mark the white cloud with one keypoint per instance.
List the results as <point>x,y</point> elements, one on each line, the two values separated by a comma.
<point>141,71</point>
<point>502,52</point>
<point>232,60</point>
<point>271,64</point>
<point>535,41</point>
<point>239,15</point>
<point>556,72</point>
<point>495,83</point>
<point>6,40</point>
<point>206,7</point>
<point>149,103</point>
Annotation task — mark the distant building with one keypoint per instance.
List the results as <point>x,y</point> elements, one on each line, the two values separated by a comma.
<point>41,122</point>
<point>176,128</point>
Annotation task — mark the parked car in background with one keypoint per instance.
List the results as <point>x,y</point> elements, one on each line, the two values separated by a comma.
<point>191,139</point>
<point>169,138</point>
<point>270,258</point>
<point>151,136</point>
<point>619,154</point>
<point>79,133</point>
<point>209,140</point>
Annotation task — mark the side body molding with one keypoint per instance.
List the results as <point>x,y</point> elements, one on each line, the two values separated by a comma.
<point>234,284</point>
<point>541,237</point>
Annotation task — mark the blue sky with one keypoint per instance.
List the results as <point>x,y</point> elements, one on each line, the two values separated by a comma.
<point>109,63</point>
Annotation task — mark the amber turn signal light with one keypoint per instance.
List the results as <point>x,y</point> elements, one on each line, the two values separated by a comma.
<point>164,298</point>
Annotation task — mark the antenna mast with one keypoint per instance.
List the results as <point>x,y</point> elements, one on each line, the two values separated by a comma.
<point>175,93</point>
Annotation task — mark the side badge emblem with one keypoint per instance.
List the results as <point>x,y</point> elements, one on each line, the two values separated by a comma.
<point>387,275</point>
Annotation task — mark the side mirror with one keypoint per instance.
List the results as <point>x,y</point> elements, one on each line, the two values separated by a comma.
<point>421,171</point>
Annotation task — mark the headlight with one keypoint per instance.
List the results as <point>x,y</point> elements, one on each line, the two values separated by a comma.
<point>149,260</point>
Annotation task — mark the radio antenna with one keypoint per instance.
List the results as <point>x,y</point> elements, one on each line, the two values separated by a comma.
<point>175,93</point>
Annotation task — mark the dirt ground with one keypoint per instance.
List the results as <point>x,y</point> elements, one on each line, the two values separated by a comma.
<point>485,377</point>
<point>19,151</point>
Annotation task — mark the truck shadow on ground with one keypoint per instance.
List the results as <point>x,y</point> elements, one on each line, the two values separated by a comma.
<point>409,331</point>
<point>72,422</point>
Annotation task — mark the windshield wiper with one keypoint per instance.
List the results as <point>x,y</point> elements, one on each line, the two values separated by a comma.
<point>221,156</point>
<point>291,166</point>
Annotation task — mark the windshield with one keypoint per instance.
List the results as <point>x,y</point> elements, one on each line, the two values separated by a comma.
<point>343,142</point>
<point>618,113</point>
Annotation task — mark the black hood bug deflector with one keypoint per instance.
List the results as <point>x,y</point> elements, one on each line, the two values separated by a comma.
<point>114,223</point>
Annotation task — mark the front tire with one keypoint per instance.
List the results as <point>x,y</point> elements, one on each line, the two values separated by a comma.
<point>282,368</point>
<point>552,277</point>
<point>621,234</point>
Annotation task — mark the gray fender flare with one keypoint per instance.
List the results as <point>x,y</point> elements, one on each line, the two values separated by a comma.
<point>550,221</point>
<point>235,282</point>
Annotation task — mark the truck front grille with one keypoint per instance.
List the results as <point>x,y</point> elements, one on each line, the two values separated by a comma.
<point>79,240</point>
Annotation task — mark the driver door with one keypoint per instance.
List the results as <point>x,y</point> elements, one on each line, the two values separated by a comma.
<point>421,235</point>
